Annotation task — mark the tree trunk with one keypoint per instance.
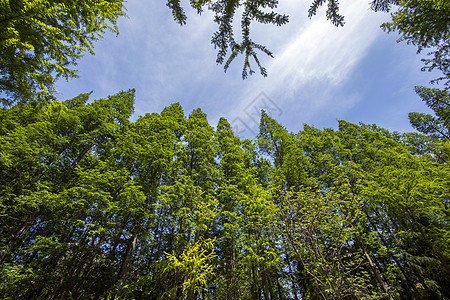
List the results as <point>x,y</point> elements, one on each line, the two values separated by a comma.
<point>25,226</point>
<point>130,249</point>
<point>410,283</point>
<point>375,270</point>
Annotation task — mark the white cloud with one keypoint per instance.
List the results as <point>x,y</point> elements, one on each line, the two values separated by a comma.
<point>168,63</point>
<point>313,62</point>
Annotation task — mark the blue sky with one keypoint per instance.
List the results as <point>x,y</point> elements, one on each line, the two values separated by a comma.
<point>319,73</point>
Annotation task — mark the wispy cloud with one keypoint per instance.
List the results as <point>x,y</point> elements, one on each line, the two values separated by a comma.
<point>315,61</point>
<point>310,79</point>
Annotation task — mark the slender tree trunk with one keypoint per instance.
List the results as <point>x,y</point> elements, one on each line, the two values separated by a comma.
<point>291,276</point>
<point>175,285</point>
<point>410,283</point>
<point>112,253</point>
<point>375,270</point>
<point>280,295</point>
<point>233,267</point>
<point>76,162</point>
<point>15,238</point>
<point>130,249</point>
<point>133,240</point>
<point>267,285</point>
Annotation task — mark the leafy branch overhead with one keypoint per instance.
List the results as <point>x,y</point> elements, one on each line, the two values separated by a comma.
<point>261,11</point>
<point>423,23</point>
<point>41,40</point>
<point>426,25</point>
<point>224,39</point>
<point>437,126</point>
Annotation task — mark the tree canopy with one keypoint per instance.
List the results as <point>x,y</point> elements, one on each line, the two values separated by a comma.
<point>41,40</point>
<point>94,205</point>
<point>439,125</point>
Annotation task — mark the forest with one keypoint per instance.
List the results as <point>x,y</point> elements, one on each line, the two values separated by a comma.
<point>96,205</point>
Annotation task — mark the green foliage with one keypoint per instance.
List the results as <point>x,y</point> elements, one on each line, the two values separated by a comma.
<point>424,23</point>
<point>56,195</point>
<point>322,234</point>
<point>40,40</point>
<point>437,126</point>
<point>332,11</point>
<point>93,205</point>
<point>224,39</point>
<point>194,264</point>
